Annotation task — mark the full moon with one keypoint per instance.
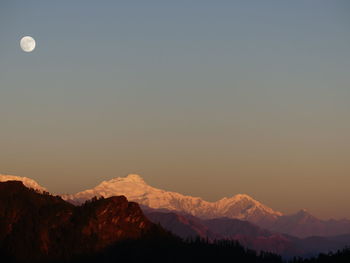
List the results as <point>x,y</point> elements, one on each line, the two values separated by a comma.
<point>27,44</point>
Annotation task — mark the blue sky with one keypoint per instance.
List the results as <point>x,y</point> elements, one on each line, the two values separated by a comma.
<point>208,98</point>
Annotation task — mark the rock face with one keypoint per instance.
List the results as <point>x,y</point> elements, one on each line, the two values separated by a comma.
<point>36,226</point>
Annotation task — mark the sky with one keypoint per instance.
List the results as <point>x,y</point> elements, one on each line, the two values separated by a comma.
<point>206,98</point>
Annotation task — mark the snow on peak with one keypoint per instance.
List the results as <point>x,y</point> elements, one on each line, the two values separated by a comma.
<point>245,207</point>
<point>240,206</point>
<point>236,198</point>
<point>133,187</point>
<point>30,183</point>
<point>135,178</point>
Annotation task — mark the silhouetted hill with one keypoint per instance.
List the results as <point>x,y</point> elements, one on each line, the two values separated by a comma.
<point>37,226</point>
<point>341,256</point>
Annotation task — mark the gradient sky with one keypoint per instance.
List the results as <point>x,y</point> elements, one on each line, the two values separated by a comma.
<point>207,98</point>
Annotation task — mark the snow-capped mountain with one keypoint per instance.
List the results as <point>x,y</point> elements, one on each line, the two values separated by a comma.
<point>30,183</point>
<point>239,206</point>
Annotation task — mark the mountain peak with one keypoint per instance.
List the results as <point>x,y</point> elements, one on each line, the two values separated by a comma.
<point>134,178</point>
<point>243,196</point>
<point>237,198</point>
<point>304,213</point>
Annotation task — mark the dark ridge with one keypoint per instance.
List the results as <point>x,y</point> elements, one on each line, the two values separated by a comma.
<point>36,227</point>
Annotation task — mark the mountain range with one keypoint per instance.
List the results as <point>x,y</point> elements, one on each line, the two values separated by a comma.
<point>240,206</point>
<point>38,227</point>
<point>239,217</point>
<point>248,234</point>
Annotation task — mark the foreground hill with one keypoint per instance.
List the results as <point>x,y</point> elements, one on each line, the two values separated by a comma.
<point>37,226</point>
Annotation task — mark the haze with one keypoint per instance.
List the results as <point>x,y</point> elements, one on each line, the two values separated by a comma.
<point>207,98</point>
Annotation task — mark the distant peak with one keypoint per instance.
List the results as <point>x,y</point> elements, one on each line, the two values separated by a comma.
<point>303,211</point>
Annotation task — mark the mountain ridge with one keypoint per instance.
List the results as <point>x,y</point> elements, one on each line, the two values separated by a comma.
<point>239,206</point>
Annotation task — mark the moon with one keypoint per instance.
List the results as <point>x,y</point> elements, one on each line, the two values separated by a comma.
<point>27,44</point>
